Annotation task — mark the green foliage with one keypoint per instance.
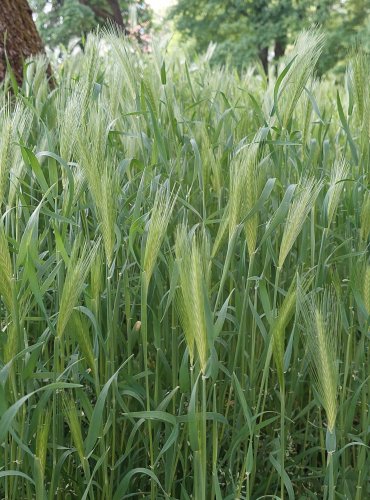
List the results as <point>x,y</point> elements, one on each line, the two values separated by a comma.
<point>184,278</point>
<point>60,21</point>
<point>245,30</point>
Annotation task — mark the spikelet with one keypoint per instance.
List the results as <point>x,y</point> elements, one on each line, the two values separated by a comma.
<point>366,289</point>
<point>358,72</point>
<point>79,181</point>
<point>308,191</point>
<point>363,140</point>
<point>157,227</point>
<point>12,343</point>
<point>7,292</point>
<point>97,279</point>
<point>321,320</point>
<point>107,207</point>
<point>90,67</point>
<point>21,126</point>
<point>211,163</point>
<point>365,218</point>
<point>5,151</point>
<point>305,110</point>
<point>78,268</point>
<point>251,196</point>
<point>339,173</point>
<point>71,117</point>
<point>36,83</point>
<point>235,200</point>
<point>285,314</point>
<point>70,120</point>
<point>6,273</point>
<point>244,191</point>
<point>42,436</point>
<point>130,62</point>
<point>79,330</point>
<point>114,88</point>
<point>222,231</point>
<point>184,294</point>
<point>191,297</point>
<point>198,309</point>
<point>70,412</point>
<point>73,107</point>
<point>306,52</point>
<point>101,173</point>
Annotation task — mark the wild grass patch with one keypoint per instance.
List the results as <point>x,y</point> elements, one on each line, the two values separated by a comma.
<point>184,279</point>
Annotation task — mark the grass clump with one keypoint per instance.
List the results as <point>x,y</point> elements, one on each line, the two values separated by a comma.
<point>184,278</point>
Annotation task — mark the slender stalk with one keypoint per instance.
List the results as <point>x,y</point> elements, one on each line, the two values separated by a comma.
<point>276,286</point>
<point>282,439</point>
<point>240,345</point>
<point>144,333</point>
<point>112,369</point>
<point>321,256</point>
<point>204,438</point>
<point>331,487</point>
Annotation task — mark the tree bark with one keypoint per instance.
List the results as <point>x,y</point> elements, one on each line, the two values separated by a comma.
<point>114,14</point>
<point>263,55</point>
<point>99,11</point>
<point>116,10</point>
<point>280,46</point>
<point>18,31</point>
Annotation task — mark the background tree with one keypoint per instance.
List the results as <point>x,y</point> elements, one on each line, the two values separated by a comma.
<point>246,29</point>
<point>349,25</point>
<point>61,20</point>
<point>19,38</point>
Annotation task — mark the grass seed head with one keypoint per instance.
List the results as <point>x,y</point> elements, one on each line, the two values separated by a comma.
<point>42,437</point>
<point>365,218</point>
<point>6,272</point>
<point>191,300</point>
<point>306,51</point>
<point>303,202</point>
<point>285,314</point>
<point>321,329</point>
<point>74,424</point>
<point>366,288</point>
<point>338,175</point>
<point>78,268</point>
<point>157,228</point>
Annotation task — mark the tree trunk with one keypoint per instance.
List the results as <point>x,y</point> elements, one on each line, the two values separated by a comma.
<point>20,34</point>
<point>116,10</point>
<point>280,46</point>
<point>104,14</point>
<point>263,55</point>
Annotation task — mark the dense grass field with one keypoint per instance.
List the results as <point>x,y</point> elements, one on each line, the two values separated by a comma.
<point>184,278</point>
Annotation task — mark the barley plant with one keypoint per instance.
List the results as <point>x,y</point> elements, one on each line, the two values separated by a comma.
<point>184,277</point>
